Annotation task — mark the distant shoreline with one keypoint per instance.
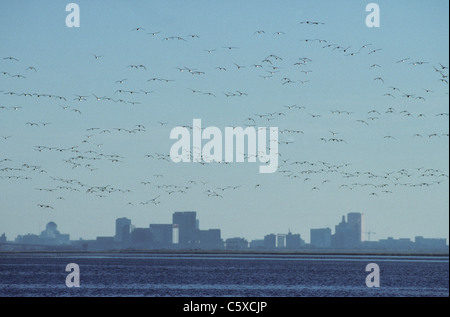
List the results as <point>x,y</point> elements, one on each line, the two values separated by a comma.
<point>113,253</point>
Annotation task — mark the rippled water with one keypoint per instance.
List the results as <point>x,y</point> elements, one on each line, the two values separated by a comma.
<point>223,275</point>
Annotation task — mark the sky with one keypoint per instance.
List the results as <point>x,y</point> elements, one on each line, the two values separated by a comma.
<point>362,115</point>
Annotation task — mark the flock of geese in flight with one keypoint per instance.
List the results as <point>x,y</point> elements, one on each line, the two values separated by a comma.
<point>88,154</point>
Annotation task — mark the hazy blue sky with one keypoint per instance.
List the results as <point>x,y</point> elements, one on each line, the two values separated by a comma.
<point>359,149</point>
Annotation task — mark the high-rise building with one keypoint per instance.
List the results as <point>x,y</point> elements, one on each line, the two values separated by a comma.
<point>356,222</point>
<point>210,239</point>
<point>321,238</point>
<point>141,238</point>
<point>294,241</point>
<point>281,241</point>
<point>175,235</point>
<point>270,241</point>
<point>123,230</point>
<point>187,227</point>
<point>162,235</point>
<point>348,234</point>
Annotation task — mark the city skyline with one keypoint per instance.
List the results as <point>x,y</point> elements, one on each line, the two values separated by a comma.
<point>339,237</point>
<point>86,114</point>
